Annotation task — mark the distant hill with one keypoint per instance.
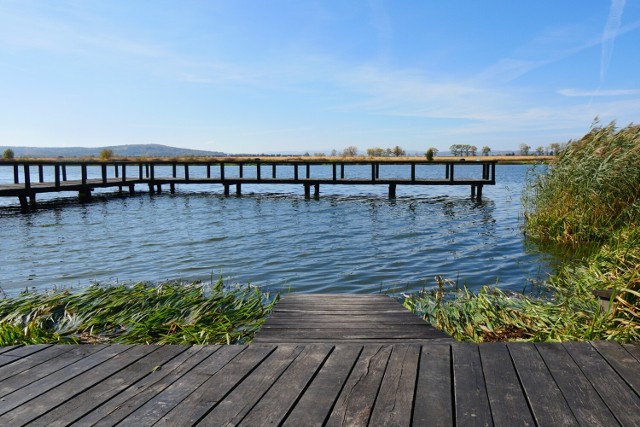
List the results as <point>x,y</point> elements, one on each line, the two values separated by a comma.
<point>132,150</point>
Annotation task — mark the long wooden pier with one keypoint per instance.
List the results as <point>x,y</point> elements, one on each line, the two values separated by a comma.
<point>343,381</point>
<point>30,178</point>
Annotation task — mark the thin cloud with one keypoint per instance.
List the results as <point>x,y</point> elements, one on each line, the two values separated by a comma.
<point>609,35</point>
<point>591,93</point>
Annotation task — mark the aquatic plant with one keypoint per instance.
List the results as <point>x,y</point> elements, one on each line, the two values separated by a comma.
<point>590,198</point>
<point>590,191</point>
<point>565,313</point>
<point>167,313</point>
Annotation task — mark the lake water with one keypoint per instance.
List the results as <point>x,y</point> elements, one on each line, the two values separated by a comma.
<point>353,239</point>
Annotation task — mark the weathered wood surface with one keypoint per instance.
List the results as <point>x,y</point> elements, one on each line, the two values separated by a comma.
<point>342,318</point>
<point>430,384</point>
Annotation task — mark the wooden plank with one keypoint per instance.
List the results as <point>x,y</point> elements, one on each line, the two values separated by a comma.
<point>619,397</point>
<point>301,296</point>
<point>365,315</point>
<point>633,349</point>
<point>6,348</point>
<point>395,332</point>
<point>239,402</point>
<point>506,397</point>
<point>26,350</point>
<point>69,389</point>
<point>372,320</point>
<point>43,364</point>
<point>355,403</point>
<point>18,364</point>
<point>43,385</point>
<point>112,411</point>
<point>627,366</point>
<point>547,403</point>
<point>394,402</point>
<point>209,394</point>
<point>278,401</point>
<point>359,341</point>
<point>334,323</point>
<point>470,393</point>
<point>316,403</point>
<point>352,302</point>
<point>171,396</point>
<point>75,408</point>
<point>586,405</point>
<point>434,389</point>
<point>342,312</point>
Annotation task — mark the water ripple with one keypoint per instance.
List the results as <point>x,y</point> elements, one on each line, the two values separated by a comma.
<point>350,240</point>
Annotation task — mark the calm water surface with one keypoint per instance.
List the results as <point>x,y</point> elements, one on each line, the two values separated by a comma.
<point>353,239</point>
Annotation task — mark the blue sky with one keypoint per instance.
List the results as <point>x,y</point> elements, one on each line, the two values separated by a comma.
<point>277,76</point>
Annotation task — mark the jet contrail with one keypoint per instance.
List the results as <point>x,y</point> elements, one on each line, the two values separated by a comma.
<point>609,35</point>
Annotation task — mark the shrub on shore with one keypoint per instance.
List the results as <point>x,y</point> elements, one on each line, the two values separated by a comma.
<point>168,313</point>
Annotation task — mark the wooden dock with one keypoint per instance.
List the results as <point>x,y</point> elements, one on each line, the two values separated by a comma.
<point>31,178</point>
<point>336,374</point>
<point>344,318</point>
<point>438,384</point>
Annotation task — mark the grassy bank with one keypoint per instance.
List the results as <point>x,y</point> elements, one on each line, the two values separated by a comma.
<point>590,198</point>
<point>168,313</point>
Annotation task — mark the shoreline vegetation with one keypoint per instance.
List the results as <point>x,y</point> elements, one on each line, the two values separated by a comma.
<point>166,313</point>
<point>588,202</point>
<point>501,159</point>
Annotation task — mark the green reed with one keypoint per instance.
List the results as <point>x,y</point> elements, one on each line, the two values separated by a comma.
<point>589,198</point>
<point>167,313</point>
<point>591,190</point>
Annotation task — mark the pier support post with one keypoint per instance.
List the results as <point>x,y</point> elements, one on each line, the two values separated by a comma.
<point>172,188</point>
<point>32,201</point>
<point>392,191</point>
<point>479,192</point>
<point>151,190</point>
<point>307,191</point>
<point>159,188</point>
<point>473,191</point>
<point>238,189</point>
<point>132,189</point>
<point>24,205</point>
<point>226,189</point>
<point>84,195</point>
<point>316,191</point>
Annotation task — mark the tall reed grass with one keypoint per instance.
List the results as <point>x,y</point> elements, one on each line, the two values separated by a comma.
<point>590,192</point>
<point>589,198</point>
<point>168,313</point>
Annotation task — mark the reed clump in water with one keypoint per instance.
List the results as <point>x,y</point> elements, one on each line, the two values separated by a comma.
<point>590,192</point>
<point>168,313</point>
<point>589,198</point>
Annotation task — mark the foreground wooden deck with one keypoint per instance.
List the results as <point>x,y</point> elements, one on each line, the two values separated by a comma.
<point>446,384</point>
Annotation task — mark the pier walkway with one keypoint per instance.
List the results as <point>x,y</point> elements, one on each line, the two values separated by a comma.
<point>346,381</point>
<point>26,179</point>
<point>344,318</point>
